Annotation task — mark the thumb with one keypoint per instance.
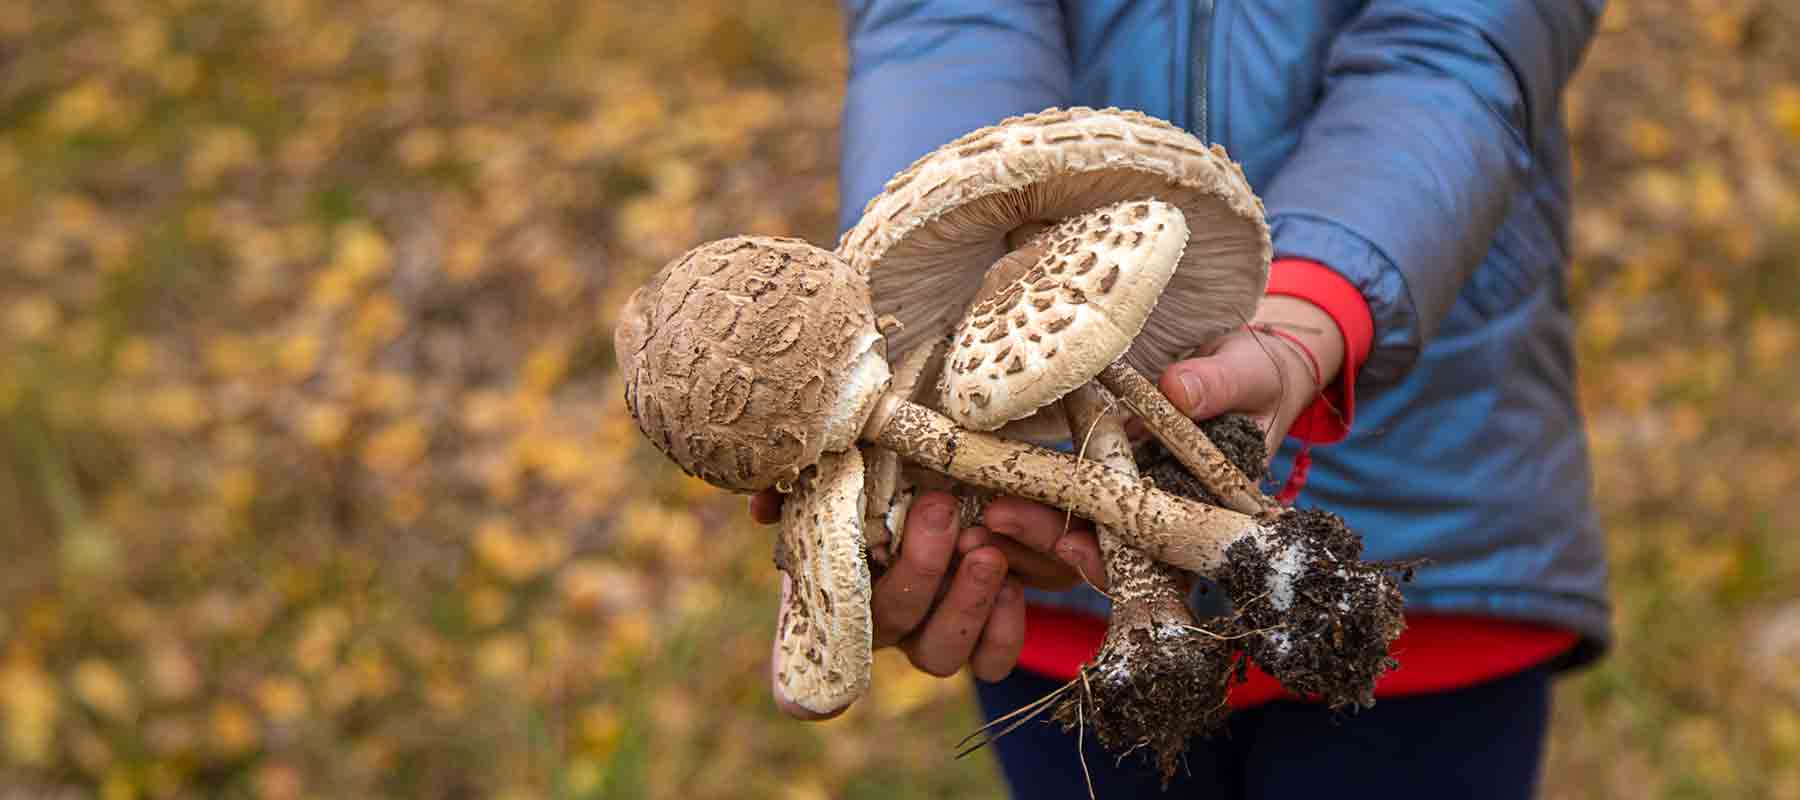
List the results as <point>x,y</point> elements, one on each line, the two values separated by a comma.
<point>1201,387</point>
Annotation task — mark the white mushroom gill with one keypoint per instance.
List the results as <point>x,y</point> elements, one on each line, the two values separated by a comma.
<point>929,236</point>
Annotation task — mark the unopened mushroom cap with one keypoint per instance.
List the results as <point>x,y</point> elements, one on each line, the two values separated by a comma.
<point>930,235</point>
<point>747,358</point>
<point>824,633</point>
<point>1075,310</point>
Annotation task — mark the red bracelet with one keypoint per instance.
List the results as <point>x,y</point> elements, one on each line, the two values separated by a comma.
<point>1318,374</point>
<point>1290,489</point>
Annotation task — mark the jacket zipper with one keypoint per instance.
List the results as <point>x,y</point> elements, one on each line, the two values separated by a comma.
<point>1199,50</point>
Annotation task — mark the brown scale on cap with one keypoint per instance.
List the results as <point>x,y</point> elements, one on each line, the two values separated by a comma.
<point>822,650</point>
<point>1076,308</point>
<point>746,407</point>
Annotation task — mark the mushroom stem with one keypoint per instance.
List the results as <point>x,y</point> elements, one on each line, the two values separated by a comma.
<point>1170,529</point>
<point>1185,441</point>
<point>1144,592</point>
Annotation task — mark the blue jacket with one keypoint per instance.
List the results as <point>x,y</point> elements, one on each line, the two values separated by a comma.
<point>1418,148</point>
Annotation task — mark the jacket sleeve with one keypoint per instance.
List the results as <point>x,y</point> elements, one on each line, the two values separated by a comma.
<point>1421,139</point>
<point>923,72</point>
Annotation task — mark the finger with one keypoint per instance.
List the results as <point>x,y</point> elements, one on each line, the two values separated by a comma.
<point>1201,388</point>
<point>905,592</point>
<point>1267,370</point>
<point>943,644</point>
<point>1080,551</point>
<point>1003,637</point>
<point>1052,572</point>
<point>1135,430</point>
<point>1036,570</point>
<point>1034,525</point>
<point>765,507</point>
<point>974,538</point>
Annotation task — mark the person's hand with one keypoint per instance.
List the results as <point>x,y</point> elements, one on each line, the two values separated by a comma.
<point>1258,374</point>
<point>947,601</point>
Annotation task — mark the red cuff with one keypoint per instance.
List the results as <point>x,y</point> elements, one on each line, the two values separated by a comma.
<point>1328,419</point>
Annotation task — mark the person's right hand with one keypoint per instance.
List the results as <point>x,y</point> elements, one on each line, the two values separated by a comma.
<point>946,601</point>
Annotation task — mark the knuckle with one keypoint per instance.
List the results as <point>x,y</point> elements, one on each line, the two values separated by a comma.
<point>925,568</point>
<point>926,663</point>
<point>986,569</point>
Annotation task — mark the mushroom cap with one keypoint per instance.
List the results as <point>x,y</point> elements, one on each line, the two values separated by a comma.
<point>930,235</point>
<point>824,633</point>
<point>1076,309</point>
<point>747,358</point>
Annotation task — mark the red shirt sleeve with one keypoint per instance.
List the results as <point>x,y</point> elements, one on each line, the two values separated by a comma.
<point>1328,419</point>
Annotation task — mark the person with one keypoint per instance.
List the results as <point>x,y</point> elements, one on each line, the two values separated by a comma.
<point>1413,160</point>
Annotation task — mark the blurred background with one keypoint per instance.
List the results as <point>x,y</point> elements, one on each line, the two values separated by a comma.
<point>316,480</point>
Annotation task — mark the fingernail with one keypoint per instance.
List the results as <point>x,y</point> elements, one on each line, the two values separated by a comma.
<point>1190,390</point>
<point>971,540</point>
<point>936,515</point>
<point>1010,593</point>
<point>1068,553</point>
<point>987,573</point>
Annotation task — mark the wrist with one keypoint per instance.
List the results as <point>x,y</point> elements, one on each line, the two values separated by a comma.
<point>1307,289</point>
<point>1314,328</point>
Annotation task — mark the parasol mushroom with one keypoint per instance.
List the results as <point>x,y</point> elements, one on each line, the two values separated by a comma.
<point>965,219</point>
<point>748,359</point>
<point>1038,332</point>
<point>1159,679</point>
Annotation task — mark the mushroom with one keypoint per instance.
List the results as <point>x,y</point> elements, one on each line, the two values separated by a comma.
<point>1159,679</point>
<point>748,359</point>
<point>1049,317</point>
<point>941,236</point>
<point>965,225</point>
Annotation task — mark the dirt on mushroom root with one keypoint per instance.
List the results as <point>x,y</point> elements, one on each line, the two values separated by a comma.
<point>1154,691</point>
<point>1331,642</point>
<point>1331,639</point>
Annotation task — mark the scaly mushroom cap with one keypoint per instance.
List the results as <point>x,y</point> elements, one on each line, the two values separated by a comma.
<point>933,231</point>
<point>824,634</point>
<point>749,357</point>
<point>1095,281</point>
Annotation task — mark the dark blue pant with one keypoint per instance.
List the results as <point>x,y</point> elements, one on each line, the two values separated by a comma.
<point>1476,743</point>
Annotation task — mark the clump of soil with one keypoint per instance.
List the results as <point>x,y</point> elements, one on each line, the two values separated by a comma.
<point>1157,689</point>
<point>1235,436</point>
<point>1241,441</point>
<point>1310,612</point>
<point>1318,618</point>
